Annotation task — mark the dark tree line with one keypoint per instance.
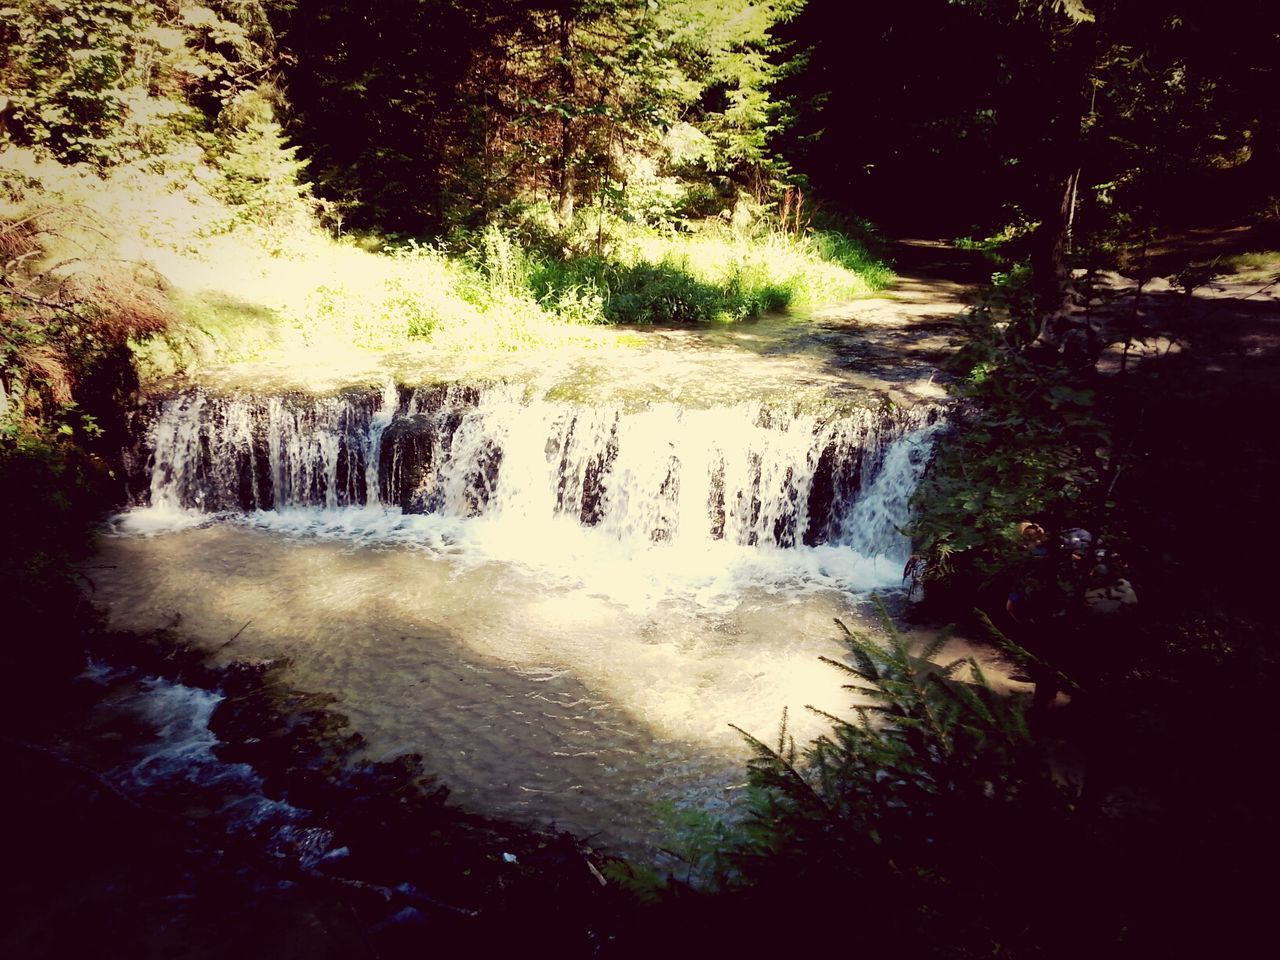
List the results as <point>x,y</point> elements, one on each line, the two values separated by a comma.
<point>428,115</point>
<point>1077,115</point>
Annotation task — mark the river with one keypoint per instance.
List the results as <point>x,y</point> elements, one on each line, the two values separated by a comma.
<point>562,605</point>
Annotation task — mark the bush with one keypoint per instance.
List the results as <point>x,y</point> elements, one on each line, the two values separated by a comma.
<point>1031,441</point>
<point>261,179</point>
<point>711,275</point>
<point>931,825</point>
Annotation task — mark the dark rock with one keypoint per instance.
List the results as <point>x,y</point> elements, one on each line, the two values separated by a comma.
<point>405,462</point>
<point>593,485</point>
<point>715,501</point>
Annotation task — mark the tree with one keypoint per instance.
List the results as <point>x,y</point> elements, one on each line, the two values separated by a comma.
<point>430,115</point>
<point>1068,118</point>
<point>590,89</point>
<point>373,95</point>
<point>732,63</point>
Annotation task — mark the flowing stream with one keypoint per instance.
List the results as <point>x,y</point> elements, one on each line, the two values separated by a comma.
<point>562,606</point>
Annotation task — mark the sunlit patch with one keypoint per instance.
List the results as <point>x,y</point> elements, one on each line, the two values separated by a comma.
<point>156,520</point>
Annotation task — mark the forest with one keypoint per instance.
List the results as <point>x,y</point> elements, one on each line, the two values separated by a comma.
<point>838,428</point>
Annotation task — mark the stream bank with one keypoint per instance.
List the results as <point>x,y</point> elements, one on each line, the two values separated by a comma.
<point>176,808</point>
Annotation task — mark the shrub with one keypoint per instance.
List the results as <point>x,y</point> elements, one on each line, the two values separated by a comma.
<point>933,816</point>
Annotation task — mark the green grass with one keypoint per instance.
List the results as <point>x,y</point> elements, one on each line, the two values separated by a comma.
<point>1256,265</point>
<point>712,275</point>
<point>489,292</point>
<point>209,326</point>
<point>245,292</point>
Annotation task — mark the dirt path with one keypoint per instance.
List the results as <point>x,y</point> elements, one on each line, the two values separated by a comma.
<point>1204,402</point>
<point>895,343</point>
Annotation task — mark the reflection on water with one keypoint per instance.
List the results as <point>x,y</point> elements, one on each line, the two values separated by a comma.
<point>581,698</point>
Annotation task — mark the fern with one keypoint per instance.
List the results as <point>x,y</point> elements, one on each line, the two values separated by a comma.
<point>896,807</point>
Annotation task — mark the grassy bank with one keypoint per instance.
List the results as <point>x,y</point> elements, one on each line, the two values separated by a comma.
<point>490,291</point>
<point>227,288</point>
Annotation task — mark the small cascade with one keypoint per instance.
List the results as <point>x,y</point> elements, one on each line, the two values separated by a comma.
<point>180,767</point>
<point>749,474</point>
<point>216,454</point>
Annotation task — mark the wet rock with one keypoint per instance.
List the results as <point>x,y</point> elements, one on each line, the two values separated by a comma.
<point>784,525</point>
<point>405,462</point>
<point>482,479</point>
<point>593,486</point>
<point>837,480</point>
<point>1116,597</point>
<point>715,501</point>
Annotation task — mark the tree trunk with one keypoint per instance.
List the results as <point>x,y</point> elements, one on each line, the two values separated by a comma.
<point>1049,247</point>
<point>565,185</point>
<point>1071,56</point>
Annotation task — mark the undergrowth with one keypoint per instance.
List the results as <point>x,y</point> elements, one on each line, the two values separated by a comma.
<point>490,290</point>
<point>223,292</point>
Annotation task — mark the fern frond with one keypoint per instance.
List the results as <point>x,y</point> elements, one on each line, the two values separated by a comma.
<point>835,721</point>
<point>1023,656</point>
<point>937,643</point>
<point>966,695</point>
<point>799,788</point>
<point>857,671</point>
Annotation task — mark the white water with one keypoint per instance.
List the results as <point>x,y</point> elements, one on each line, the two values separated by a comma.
<point>586,600</point>
<point>747,473</point>
<point>178,763</point>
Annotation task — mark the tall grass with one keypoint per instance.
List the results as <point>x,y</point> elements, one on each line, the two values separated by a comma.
<point>714,275</point>
<point>490,291</point>
<point>237,293</point>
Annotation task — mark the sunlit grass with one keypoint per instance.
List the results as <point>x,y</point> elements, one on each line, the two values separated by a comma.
<point>496,296</point>
<point>715,275</point>
<point>1256,265</point>
<point>240,291</point>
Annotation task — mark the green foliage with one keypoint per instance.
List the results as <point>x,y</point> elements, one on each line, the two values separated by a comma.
<point>493,290</point>
<point>701,846</point>
<point>104,82</point>
<point>927,752</point>
<point>732,62</point>
<point>1032,442</point>
<point>262,178</point>
<point>70,60</point>
<point>923,811</point>
<point>427,117</point>
<point>713,275</point>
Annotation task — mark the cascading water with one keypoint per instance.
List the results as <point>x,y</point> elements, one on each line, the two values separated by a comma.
<point>563,606</point>
<point>748,474</point>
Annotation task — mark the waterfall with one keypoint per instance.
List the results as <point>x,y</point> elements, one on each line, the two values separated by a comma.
<point>563,604</point>
<point>750,474</point>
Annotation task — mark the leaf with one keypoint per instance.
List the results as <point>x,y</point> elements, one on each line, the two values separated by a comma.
<point>1076,10</point>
